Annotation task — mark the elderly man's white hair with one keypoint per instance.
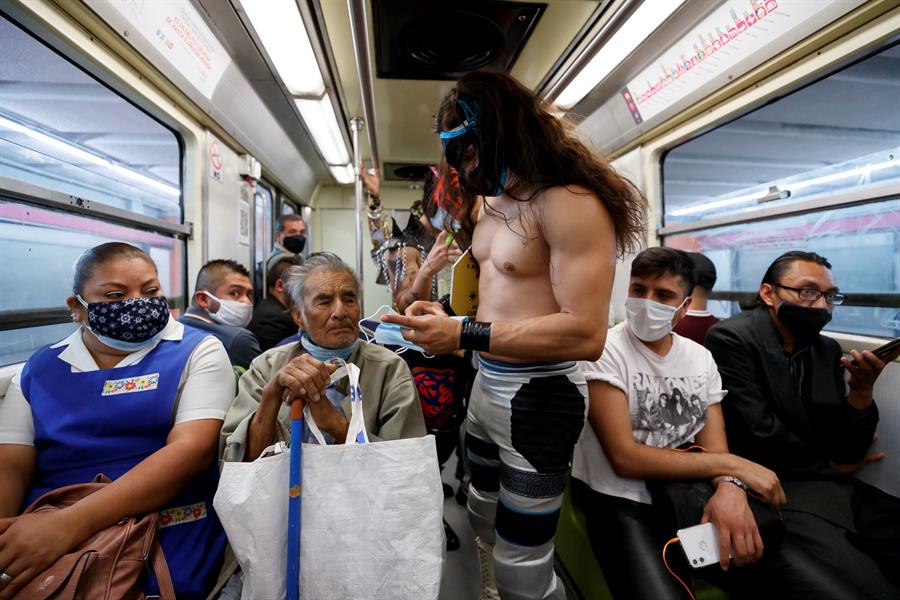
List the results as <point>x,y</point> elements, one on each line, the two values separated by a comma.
<point>295,277</point>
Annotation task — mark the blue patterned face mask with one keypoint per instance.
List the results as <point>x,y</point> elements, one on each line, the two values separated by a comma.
<point>127,325</point>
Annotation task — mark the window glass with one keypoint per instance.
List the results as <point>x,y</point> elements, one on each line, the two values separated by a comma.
<point>61,129</point>
<point>263,232</point>
<point>40,247</point>
<point>18,344</point>
<point>862,243</point>
<point>837,134</point>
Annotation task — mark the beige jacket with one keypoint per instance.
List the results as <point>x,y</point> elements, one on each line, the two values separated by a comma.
<point>390,406</point>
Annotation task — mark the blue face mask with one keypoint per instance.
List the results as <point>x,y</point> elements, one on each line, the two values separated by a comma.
<point>439,220</point>
<point>326,354</point>
<point>391,334</point>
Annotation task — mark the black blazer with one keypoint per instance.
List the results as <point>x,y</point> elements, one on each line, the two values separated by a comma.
<point>767,422</point>
<point>765,418</point>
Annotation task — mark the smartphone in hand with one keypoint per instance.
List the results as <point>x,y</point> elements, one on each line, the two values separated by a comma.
<point>886,350</point>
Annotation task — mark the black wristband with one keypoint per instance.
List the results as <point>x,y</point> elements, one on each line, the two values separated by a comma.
<point>475,335</point>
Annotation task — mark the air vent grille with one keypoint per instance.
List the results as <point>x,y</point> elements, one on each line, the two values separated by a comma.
<point>425,39</point>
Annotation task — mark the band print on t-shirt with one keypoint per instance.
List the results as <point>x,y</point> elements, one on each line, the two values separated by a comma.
<point>667,409</point>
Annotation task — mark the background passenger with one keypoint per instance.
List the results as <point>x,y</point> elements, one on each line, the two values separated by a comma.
<point>698,319</point>
<point>131,394</point>
<point>325,298</point>
<point>290,234</point>
<point>290,240</point>
<point>653,390</point>
<point>442,382</point>
<point>272,321</point>
<point>222,304</point>
<point>789,409</point>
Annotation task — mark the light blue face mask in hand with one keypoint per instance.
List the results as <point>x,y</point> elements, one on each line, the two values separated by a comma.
<point>390,334</point>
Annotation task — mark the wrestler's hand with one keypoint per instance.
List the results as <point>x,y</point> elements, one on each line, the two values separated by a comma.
<point>435,334</point>
<point>423,307</point>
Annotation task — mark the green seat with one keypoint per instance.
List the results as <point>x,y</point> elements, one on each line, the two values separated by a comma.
<point>575,556</point>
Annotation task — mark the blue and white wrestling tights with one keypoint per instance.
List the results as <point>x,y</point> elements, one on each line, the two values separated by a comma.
<point>523,422</point>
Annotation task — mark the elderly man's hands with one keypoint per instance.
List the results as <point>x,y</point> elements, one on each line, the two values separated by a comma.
<point>305,378</point>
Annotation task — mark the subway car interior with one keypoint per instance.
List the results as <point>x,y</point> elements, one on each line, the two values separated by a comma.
<point>247,131</point>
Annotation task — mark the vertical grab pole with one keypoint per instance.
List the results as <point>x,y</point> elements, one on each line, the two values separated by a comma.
<point>356,125</point>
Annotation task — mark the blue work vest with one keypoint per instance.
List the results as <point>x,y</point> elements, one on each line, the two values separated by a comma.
<point>107,421</point>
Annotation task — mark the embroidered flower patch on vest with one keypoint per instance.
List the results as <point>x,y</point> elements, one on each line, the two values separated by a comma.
<point>141,383</point>
<point>182,514</point>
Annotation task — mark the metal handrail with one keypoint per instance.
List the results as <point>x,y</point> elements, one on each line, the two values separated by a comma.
<point>359,28</point>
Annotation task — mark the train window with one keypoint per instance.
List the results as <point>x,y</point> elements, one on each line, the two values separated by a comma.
<point>79,166</point>
<point>861,242</point>
<point>839,134</point>
<point>16,345</point>
<point>63,130</point>
<point>40,248</point>
<point>818,170</point>
<point>264,224</point>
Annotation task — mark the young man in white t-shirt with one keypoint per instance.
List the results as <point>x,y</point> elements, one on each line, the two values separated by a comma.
<point>653,390</point>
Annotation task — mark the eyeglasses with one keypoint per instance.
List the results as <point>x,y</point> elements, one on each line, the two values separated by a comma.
<point>812,294</point>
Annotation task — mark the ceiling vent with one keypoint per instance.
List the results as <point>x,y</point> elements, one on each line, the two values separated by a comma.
<point>405,171</point>
<point>430,39</point>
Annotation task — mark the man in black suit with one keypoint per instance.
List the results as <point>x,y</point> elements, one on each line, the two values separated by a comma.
<point>790,409</point>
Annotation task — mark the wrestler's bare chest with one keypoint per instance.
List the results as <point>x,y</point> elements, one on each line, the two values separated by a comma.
<point>508,241</point>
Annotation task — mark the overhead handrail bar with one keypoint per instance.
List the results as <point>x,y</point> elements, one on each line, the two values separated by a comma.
<point>359,28</point>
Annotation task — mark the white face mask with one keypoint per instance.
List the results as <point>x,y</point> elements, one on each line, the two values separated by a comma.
<point>649,320</point>
<point>231,312</point>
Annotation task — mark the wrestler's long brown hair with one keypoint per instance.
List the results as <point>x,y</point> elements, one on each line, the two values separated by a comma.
<point>519,133</point>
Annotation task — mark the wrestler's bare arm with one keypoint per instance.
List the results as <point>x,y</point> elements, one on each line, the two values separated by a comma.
<point>581,238</point>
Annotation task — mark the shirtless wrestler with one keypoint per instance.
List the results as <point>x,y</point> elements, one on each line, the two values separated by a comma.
<point>553,220</point>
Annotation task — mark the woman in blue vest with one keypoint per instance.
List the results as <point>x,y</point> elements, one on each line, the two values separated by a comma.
<point>131,394</point>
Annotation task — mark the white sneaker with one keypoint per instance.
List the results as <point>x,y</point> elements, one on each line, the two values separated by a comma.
<point>486,566</point>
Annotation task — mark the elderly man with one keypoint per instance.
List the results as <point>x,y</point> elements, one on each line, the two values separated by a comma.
<point>324,294</point>
<point>325,299</point>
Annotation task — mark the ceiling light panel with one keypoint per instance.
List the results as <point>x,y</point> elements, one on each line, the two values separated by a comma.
<point>280,28</point>
<point>643,22</point>
<point>323,126</point>
<point>343,174</point>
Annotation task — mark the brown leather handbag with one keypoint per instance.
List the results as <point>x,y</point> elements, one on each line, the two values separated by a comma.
<point>109,565</point>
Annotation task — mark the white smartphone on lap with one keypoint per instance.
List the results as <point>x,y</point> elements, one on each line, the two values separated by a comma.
<point>700,544</point>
